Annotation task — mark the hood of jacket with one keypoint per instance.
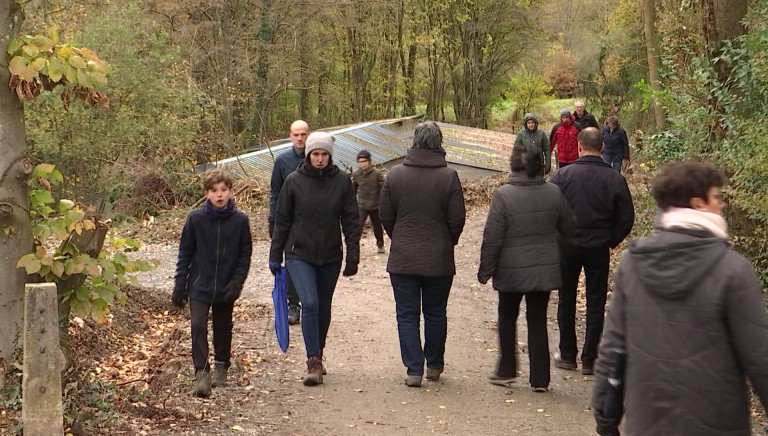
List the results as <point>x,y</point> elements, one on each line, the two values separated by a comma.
<point>672,263</point>
<point>424,158</point>
<point>529,117</point>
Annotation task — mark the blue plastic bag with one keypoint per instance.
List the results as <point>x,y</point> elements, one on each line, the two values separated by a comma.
<point>280,301</point>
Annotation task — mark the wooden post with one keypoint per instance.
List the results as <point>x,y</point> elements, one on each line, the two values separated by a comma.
<point>42,410</point>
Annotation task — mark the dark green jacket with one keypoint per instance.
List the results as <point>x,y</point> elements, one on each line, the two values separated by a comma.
<point>536,138</point>
<point>368,183</point>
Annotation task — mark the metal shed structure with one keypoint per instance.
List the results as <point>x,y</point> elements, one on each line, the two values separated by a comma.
<point>473,152</point>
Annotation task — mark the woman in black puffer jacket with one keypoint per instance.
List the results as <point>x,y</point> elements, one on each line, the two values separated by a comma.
<point>316,204</point>
<point>527,221</point>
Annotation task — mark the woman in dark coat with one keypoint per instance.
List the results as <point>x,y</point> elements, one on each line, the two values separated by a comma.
<point>616,143</point>
<point>422,210</point>
<point>316,203</point>
<point>528,220</point>
<point>690,314</point>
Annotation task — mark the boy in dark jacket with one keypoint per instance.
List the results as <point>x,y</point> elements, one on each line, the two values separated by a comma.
<point>368,181</point>
<point>214,259</point>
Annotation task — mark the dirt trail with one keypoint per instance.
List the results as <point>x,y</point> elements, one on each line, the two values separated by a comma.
<point>364,393</point>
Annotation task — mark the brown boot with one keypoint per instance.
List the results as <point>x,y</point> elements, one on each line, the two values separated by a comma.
<point>202,384</point>
<point>314,375</point>
<point>322,362</point>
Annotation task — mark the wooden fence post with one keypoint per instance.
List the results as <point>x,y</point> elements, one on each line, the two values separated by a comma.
<point>42,410</point>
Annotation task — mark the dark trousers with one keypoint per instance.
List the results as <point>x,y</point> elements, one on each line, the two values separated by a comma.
<point>378,232</point>
<point>538,340</point>
<point>415,294</point>
<point>221,315</point>
<point>315,285</point>
<point>293,296</point>
<point>596,263</point>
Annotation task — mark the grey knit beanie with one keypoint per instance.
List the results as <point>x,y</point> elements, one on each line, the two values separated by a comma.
<point>319,141</point>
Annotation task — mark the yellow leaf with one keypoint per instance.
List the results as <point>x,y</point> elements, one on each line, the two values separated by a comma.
<point>89,225</point>
<point>57,268</point>
<point>65,52</point>
<point>42,42</point>
<point>18,65</point>
<point>38,64</point>
<point>237,428</point>
<point>30,51</point>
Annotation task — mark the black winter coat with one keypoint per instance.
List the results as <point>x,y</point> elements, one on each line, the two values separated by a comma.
<point>600,200</point>
<point>527,221</point>
<point>312,210</point>
<point>213,250</point>
<point>587,120</point>
<point>422,210</point>
<point>689,312</point>
<point>616,144</point>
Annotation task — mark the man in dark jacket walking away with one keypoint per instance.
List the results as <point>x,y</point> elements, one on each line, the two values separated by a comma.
<point>581,116</point>
<point>286,163</point>
<point>526,224</point>
<point>368,182</point>
<point>563,138</point>
<point>422,209</point>
<point>214,259</point>
<point>532,135</point>
<point>600,199</point>
<point>689,311</point>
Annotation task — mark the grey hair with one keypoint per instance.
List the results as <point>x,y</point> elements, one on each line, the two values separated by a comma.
<point>427,136</point>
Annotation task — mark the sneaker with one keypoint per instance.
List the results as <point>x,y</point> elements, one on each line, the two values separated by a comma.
<point>413,381</point>
<point>499,380</point>
<point>294,314</point>
<point>540,389</point>
<point>564,364</point>
<point>433,374</point>
<point>314,375</point>
<point>587,368</point>
<point>219,377</point>
<point>202,384</point>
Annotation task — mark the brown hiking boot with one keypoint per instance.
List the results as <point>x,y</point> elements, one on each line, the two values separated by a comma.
<point>314,375</point>
<point>433,374</point>
<point>202,383</point>
<point>322,362</point>
<point>219,377</point>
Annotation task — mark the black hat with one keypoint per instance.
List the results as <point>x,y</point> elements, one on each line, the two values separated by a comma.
<point>364,154</point>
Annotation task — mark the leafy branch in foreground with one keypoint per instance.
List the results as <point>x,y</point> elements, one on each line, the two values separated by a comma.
<point>75,252</point>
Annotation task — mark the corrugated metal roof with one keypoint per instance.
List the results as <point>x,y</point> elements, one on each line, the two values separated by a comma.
<point>467,146</point>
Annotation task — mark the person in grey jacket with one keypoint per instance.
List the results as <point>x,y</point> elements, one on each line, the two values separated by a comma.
<point>690,314</point>
<point>316,205</point>
<point>532,135</point>
<point>527,221</point>
<point>422,210</point>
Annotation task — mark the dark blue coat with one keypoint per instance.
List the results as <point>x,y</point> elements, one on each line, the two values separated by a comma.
<point>213,251</point>
<point>616,144</point>
<point>285,163</point>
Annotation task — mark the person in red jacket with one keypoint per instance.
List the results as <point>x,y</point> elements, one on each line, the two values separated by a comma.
<point>564,136</point>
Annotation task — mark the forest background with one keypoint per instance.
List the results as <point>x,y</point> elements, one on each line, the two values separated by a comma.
<point>198,80</point>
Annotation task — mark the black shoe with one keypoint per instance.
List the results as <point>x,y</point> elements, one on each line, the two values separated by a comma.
<point>564,364</point>
<point>587,368</point>
<point>294,314</point>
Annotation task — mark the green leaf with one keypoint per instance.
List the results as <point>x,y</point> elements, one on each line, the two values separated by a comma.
<point>77,62</point>
<point>74,266</point>
<point>53,33</point>
<point>82,293</point>
<point>43,169</point>
<point>70,73</point>
<point>38,64</point>
<point>41,196</point>
<point>99,314</point>
<point>42,42</point>
<point>56,69</point>
<point>80,308</point>
<point>65,51</point>
<point>14,45</point>
<point>83,79</point>
<point>99,77</point>
<point>31,51</point>
<point>56,177</point>
<point>18,65</point>
<point>57,268</point>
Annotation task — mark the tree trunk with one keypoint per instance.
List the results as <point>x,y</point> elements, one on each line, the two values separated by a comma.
<point>652,46</point>
<point>408,79</point>
<point>16,236</point>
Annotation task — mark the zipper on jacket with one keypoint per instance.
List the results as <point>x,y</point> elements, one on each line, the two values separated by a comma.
<point>216,270</point>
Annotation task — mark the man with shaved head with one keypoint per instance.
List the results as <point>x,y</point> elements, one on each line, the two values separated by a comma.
<point>286,163</point>
<point>600,200</point>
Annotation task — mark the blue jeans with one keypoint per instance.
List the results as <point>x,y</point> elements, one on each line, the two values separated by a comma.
<point>413,295</point>
<point>315,285</point>
<point>615,164</point>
